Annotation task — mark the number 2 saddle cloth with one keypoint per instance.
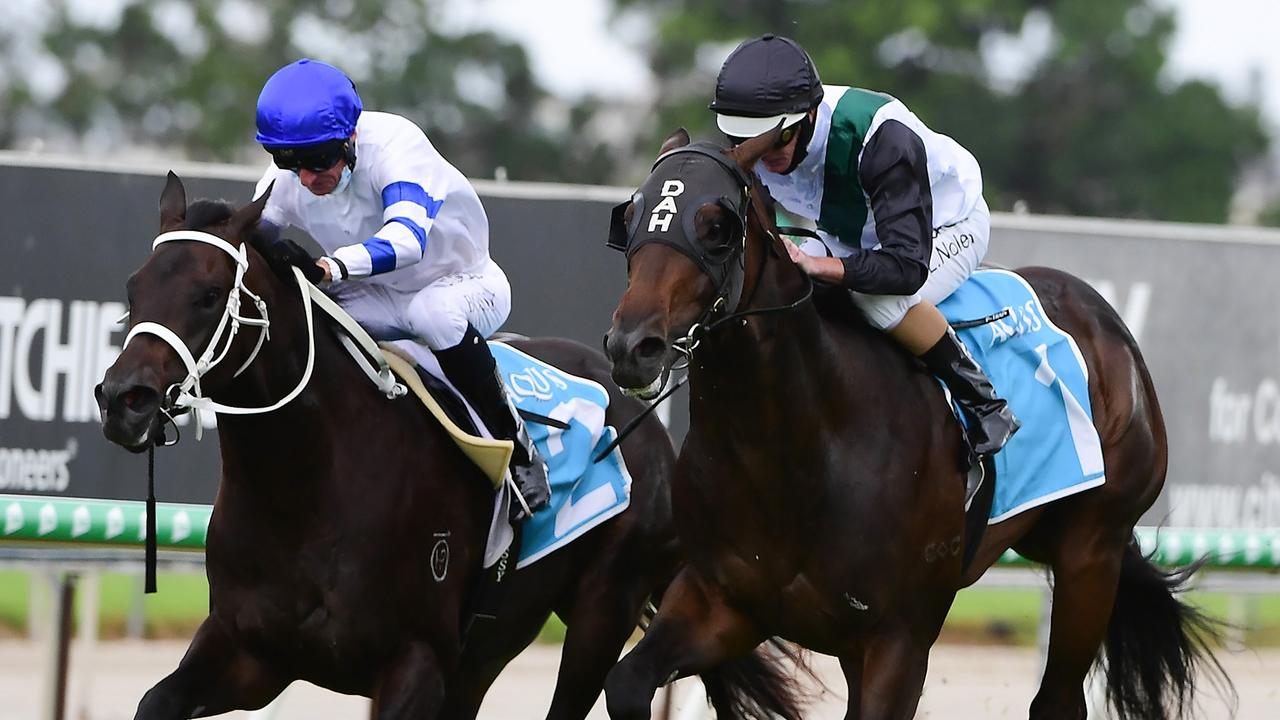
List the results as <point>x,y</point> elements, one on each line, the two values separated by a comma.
<point>584,493</point>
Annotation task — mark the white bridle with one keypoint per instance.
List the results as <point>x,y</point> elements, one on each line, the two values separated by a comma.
<point>189,393</point>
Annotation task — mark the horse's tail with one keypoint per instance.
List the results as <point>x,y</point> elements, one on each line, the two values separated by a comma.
<point>760,686</point>
<point>1156,644</point>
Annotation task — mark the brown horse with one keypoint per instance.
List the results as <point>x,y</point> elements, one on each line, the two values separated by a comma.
<point>319,551</point>
<point>817,493</point>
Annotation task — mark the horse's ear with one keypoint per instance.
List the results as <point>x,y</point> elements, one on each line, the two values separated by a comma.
<point>173,202</point>
<point>677,139</point>
<point>246,218</point>
<point>749,153</point>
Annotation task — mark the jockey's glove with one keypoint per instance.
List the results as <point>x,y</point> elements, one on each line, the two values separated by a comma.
<point>284,254</point>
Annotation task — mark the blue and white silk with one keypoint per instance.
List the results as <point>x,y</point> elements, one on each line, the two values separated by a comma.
<point>1039,370</point>
<point>406,218</point>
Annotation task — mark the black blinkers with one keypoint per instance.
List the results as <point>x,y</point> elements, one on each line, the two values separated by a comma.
<point>666,205</point>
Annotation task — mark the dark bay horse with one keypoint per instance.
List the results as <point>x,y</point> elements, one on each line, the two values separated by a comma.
<point>817,493</point>
<point>320,549</point>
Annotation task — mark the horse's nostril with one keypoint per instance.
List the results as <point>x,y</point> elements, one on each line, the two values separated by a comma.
<point>131,398</point>
<point>137,398</point>
<point>650,348</point>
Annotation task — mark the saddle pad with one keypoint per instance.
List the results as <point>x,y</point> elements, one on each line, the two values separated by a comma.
<point>1039,370</point>
<point>583,494</point>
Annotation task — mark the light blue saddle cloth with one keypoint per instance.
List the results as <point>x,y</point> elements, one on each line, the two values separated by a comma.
<point>1039,370</point>
<point>583,494</point>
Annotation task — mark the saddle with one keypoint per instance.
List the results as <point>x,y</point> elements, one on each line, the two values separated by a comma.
<point>395,373</point>
<point>491,456</point>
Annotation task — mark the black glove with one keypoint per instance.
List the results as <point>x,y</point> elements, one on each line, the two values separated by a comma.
<point>284,254</point>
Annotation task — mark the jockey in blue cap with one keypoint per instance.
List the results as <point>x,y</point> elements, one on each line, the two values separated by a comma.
<point>899,207</point>
<point>405,237</point>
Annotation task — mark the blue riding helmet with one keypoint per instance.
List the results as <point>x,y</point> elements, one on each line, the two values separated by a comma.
<point>305,103</point>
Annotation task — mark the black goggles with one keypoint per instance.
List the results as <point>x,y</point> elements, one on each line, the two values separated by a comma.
<point>316,158</point>
<point>788,133</point>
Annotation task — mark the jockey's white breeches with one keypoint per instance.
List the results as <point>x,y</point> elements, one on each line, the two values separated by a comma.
<point>437,314</point>
<point>958,249</point>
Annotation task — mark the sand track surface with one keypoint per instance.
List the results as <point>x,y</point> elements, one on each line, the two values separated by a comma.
<point>965,683</point>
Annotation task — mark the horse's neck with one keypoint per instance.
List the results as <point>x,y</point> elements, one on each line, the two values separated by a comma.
<point>264,448</point>
<point>280,364</point>
<point>760,355</point>
<point>791,374</point>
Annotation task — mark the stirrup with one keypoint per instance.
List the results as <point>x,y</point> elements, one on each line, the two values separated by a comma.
<point>510,480</point>
<point>536,478</point>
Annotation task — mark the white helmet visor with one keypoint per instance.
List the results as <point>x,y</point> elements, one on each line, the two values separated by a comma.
<point>738,126</point>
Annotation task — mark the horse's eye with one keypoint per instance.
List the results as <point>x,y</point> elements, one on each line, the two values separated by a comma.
<point>209,300</point>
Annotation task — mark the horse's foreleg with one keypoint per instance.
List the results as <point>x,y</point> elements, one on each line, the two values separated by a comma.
<point>603,615</point>
<point>490,646</point>
<point>893,673</point>
<point>411,687</point>
<point>694,631</point>
<point>215,676</point>
<point>851,666</point>
<point>896,657</point>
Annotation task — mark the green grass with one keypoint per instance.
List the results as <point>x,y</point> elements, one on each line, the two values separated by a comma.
<point>181,603</point>
<point>15,591</point>
<point>978,615</point>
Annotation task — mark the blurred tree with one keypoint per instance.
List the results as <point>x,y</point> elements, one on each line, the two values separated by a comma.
<point>169,75</point>
<point>1064,102</point>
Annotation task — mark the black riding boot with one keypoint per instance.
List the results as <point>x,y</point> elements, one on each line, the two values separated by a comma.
<point>990,421</point>
<point>471,368</point>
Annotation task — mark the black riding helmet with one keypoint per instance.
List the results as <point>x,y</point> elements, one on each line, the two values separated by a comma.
<point>764,81</point>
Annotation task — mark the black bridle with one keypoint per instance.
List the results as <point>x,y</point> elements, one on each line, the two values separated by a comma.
<point>717,263</point>
<point>725,264</point>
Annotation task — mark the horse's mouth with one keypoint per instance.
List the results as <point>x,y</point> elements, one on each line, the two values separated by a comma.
<point>128,416</point>
<point>652,390</point>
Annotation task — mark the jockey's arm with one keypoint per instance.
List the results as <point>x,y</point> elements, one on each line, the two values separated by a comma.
<point>412,194</point>
<point>894,172</point>
<point>282,252</point>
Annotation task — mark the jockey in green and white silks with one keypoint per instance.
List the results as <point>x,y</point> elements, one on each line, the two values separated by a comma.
<point>405,237</point>
<point>899,207</point>
<point>863,138</point>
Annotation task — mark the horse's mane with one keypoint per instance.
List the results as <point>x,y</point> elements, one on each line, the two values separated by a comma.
<point>834,304</point>
<point>205,212</point>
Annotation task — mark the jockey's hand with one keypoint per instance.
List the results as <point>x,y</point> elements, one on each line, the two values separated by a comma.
<point>285,253</point>
<point>825,269</point>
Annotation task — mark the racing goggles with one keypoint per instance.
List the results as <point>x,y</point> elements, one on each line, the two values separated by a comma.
<point>316,158</point>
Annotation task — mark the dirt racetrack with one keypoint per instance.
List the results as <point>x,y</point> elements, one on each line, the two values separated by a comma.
<point>965,683</point>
